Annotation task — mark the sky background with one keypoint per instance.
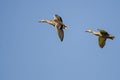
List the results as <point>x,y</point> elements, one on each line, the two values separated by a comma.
<point>32,51</point>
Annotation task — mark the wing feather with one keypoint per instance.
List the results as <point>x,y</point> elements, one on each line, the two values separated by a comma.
<point>101,41</point>
<point>60,32</point>
<point>58,18</point>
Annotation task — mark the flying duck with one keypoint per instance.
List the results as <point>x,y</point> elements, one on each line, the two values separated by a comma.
<point>57,22</point>
<point>102,36</point>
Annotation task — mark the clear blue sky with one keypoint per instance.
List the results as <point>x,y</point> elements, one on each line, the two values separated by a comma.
<point>32,51</point>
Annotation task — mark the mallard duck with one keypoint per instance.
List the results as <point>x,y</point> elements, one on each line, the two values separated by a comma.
<point>57,22</point>
<point>103,36</point>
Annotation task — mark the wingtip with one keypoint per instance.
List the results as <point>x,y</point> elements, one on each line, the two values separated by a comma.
<point>61,40</point>
<point>101,47</point>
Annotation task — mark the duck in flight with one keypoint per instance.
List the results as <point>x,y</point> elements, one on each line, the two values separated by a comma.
<point>102,36</point>
<point>57,22</point>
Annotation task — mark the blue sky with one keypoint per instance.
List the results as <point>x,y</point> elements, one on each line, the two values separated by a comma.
<point>32,51</point>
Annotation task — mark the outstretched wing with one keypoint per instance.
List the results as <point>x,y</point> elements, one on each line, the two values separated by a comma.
<point>60,32</point>
<point>101,41</point>
<point>57,18</point>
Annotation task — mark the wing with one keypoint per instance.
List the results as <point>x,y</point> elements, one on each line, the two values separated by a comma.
<point>57,18</point>
<point>103,32</point>
<point>60,32</point>
<point>101,41</point>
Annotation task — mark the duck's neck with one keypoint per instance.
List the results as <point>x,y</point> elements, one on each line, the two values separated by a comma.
<point>49,21</point>
<point>96,33</point>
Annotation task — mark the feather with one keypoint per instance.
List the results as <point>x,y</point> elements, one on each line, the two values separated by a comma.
<point>101,41</point>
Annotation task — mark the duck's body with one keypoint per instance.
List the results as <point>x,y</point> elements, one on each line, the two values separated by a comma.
<point>103,36</point>
<point>58,24</point>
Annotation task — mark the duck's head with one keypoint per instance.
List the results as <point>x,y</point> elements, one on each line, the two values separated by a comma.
<point>42,20</point>
<point>90,31</point>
